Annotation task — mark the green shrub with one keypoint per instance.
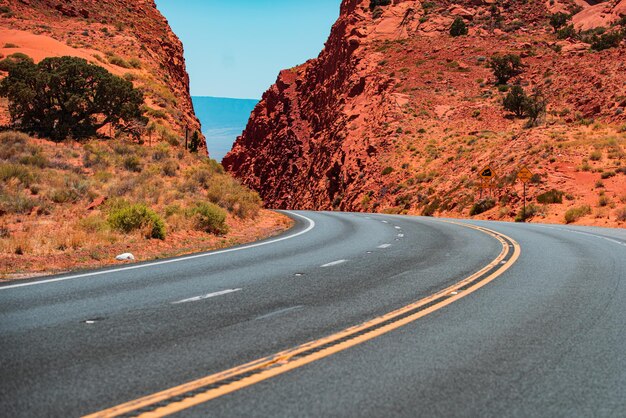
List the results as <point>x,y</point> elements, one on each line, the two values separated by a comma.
<point>209,217</point>
<point>567,32</point>
<point>621,214</point>
<point>551,196</point>
<point>527,213</point>
<point>573,214</point>
<point>606,41</point>
<point>387,170</point>
<point>505,67</point>
<point>132,163</point>
<point>558,20</point>
<point>119,61</point>
<point>515,101</point>
<point>10,45</point>
<point>132,217</point>
<point>607,174</point>
<point>376,3</point>
<point>134,63</point>
<point>458,27</point>
<point>482,206</point>
<point>17,171</point>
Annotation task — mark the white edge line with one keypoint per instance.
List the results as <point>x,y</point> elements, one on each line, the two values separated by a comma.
<point>207,296</point>
<point>333,263</point>
<point>384,246</point>
<point>176,260</point>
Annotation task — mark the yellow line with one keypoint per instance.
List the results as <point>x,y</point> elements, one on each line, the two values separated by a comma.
<point>284,361</point>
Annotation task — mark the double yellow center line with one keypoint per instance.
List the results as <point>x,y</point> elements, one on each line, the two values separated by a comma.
<point>210,387</point>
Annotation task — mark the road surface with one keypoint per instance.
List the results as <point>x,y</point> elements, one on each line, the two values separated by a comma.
<point>527,320</point>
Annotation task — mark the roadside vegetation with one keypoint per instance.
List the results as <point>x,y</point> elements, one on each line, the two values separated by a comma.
<point>93,200</point>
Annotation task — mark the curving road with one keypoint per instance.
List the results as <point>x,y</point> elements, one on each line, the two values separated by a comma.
<point>541,333</point>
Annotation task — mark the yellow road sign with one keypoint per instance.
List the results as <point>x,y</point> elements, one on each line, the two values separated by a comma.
<point>524,174</point>
<point>487,173</point>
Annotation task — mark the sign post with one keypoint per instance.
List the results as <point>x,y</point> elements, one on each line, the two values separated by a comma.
<point>487,175</point>
<point>524,175</point>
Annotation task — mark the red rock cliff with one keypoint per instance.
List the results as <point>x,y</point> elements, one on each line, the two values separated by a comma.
<point>396,114</point>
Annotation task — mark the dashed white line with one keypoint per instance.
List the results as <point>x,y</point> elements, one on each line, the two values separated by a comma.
<point>384,246</point>
<point>385,222</point>
<point>397,227</point>
<point>333,263</point>
<point>209,295</point>
<point>401,235</point>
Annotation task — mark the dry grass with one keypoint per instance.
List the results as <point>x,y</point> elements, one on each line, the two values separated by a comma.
<point>47,190</point>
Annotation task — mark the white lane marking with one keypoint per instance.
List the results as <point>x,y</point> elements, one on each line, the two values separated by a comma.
<point>333,263</point>
<point>384,246</point>
<point>158,263</point>
<point>210,295</point>
<point>397,227</point>
<point>385,222</point>
<point>585,233</point>
<point>280,311</point>
<point>401,235</point>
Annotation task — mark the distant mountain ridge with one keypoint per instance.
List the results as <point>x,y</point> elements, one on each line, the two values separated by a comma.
<point>223,120</point>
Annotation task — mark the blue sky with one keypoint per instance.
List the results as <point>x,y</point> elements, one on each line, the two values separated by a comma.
<point>235,48</point>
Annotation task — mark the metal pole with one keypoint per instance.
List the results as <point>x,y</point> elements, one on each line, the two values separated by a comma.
<point>524,210</point>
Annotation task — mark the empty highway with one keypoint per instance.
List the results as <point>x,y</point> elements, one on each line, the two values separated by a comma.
<point>346,314</point>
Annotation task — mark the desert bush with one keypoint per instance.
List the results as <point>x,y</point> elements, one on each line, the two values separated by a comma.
<point>137,217</point>
<point>573,214</point>
<point>550,197</point>
<point>595,156</point>
<point>73,189</point>
<point>505,67</point>
<point>93,224</point>
<point>228,193</point>
<point>209,217</point>
<point>566,32</point>
<point>387,170</point>
<point>160,152</point>
<point>607,174</point>
<point>132,163</point>
<point>458,27</point>
<point>515,101</point>
<point>24,174</point>
<point>620,214</point>
<point>558,20</point>
<point>119,61</point>
<point>606,41</point>
<point>16,202</point>
<point>134,62</point>
<point>482,206</point>
<point>169,168</point>
<point>527,213</point>
<point>376,3</point>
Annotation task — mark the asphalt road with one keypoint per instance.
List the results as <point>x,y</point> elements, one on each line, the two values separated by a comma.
<point>545,338</point>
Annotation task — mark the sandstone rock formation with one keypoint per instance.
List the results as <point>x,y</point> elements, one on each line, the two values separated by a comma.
<point>397,115</point>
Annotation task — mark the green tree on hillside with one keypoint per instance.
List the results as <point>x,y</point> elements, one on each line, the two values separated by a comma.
<point>66,96</point>
<point>558,20</point>
<point>505,67</point>
<point>458,27</point>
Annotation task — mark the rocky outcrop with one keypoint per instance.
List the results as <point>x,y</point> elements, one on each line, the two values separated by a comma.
<point>129,38</point>
<point>397,115</point>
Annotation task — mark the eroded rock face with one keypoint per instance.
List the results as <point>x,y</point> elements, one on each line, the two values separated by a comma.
<point>396,114</point>
<point>96,30</point>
